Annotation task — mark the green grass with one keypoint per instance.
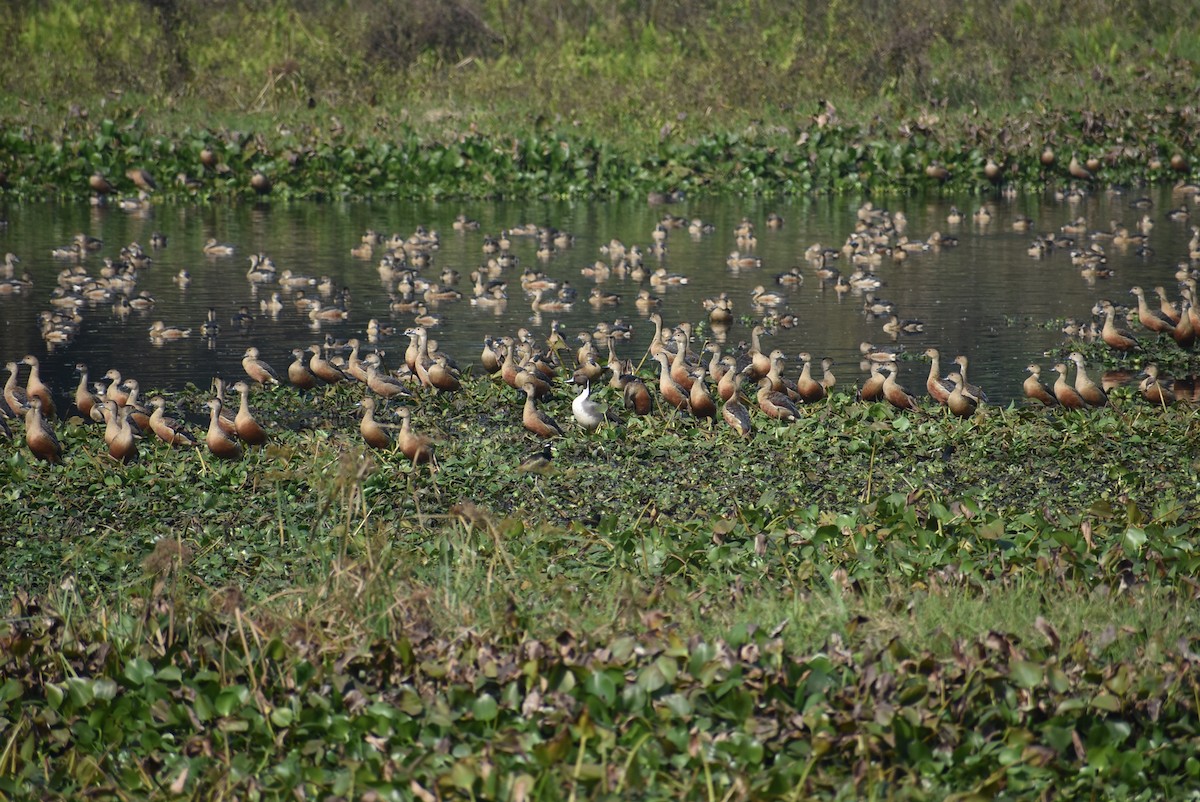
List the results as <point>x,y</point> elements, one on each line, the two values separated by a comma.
<point>494,99</point>
<point>268,596</point>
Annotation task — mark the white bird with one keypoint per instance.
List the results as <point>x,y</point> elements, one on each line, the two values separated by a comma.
<point>587,412</point>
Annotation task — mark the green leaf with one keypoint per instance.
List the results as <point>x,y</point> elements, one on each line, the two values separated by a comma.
<point>1133,539</point>
<point>1025,674</point>
<point>138,671</point>
<point>485,708</point>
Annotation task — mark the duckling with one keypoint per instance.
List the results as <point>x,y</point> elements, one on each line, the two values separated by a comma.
<point>220,444</point>
<point>39,434</point>
<point>257,369</point>
<point>169,430</point>
<point>1035,390</point>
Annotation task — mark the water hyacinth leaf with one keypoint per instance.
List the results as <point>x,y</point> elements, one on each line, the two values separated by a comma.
<point>485,708</point>
<point>1134,539</point>
<point>138,671</point>
<point>601,685</point>
<point>1026,674</point>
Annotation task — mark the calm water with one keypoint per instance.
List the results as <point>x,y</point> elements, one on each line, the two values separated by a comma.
<point>985,298</point>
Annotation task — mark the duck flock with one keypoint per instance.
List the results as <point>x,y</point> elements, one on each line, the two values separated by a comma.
<point>680,373</point>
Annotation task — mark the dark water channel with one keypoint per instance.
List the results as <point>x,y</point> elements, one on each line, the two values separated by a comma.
<point>986,298</point>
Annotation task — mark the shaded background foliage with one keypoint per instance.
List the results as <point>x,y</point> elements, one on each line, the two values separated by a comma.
<point>629,59</point>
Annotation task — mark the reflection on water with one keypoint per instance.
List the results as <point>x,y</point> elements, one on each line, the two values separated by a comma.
<point>987,297</point>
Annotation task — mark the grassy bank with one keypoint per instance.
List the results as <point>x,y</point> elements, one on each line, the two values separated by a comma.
<point>495,99</point>
<point>863,600</point>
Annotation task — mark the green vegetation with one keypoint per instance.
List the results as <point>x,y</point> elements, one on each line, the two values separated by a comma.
<point>860,604</point>
<point>487,99</point>
<point>863,602</point>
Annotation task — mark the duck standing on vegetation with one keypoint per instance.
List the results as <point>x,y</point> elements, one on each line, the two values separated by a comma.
<point>36,388</point>
<point>169,430</point>
<point>219,443</point>
<point>535,420</point>
<point>1035,390</point>
<point>959,401</point>
<point>257,369</point>
<point>1066,395</point>
<point>417,447</point>
<point>1092,393</point>
<point>734,412</point>
<point>587,413</point>
<point>39,435</point>
<point>896,395</point>
<point>249,429</point>
<point>373,434</point>
<point>118,435</point>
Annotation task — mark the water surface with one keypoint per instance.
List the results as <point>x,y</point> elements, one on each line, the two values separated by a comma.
<point>985,298</point>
